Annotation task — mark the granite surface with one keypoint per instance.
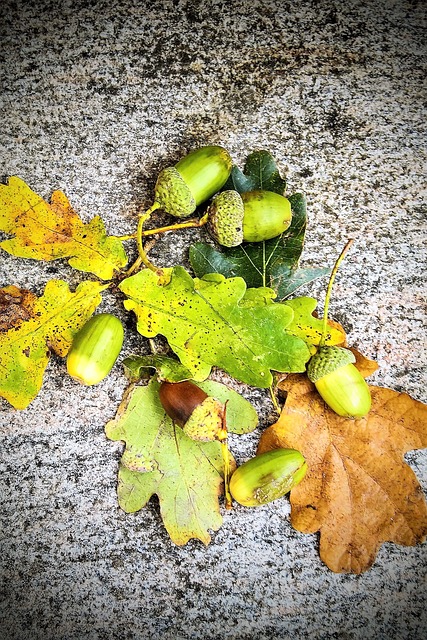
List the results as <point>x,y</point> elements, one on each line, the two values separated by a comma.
<point>96,98</point>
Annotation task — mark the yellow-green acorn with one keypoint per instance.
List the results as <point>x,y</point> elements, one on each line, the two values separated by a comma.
<point>339,382</point>
<point>267,477</point>
<point>95,349</point>
<point>253,216</point>
<point>193,180</point>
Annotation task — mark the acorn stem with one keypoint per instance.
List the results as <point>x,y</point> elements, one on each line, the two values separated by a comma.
<point>139,232</point>
<point>227,474</point>
<point>274,400</point>
<point>329,290</point>
<point>223,439</point>
<point>129,236</point>
<point>175,227</point>
<point>142,255</point>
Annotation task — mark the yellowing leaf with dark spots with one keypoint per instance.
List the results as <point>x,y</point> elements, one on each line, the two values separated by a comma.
<point>31,327</point>
<point>45,231</point>
<point>160,458</point>
<point>217,321</point>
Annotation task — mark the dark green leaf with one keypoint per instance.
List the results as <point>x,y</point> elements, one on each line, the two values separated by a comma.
<point>260,172</point>
<point>273,263</point>
<point>237,181</point>
<point>262,168</point>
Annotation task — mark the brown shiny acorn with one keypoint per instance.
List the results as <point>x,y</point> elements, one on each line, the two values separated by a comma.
<point>179,399</point>
<point>200,416</point>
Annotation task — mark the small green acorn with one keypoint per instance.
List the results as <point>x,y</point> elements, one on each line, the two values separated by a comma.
<point>95,349</point>
<point>332,370</point>
<point>339,382</point>
<point>267,477</point>
<point>193,180</point>
<point>253,216</point>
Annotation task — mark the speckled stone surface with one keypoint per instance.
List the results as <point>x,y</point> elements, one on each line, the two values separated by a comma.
<point>96,98</point>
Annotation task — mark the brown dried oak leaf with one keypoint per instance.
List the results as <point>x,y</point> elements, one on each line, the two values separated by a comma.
<point>358,492</point>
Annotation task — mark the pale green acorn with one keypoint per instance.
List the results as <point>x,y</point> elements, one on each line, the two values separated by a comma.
<point>95,349</point>
<point>193,180</point>
<point>267,477</point>
<point>339,382</point>
<point>253,216</point>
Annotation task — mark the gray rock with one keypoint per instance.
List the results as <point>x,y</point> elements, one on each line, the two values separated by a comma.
<point>97,98</point>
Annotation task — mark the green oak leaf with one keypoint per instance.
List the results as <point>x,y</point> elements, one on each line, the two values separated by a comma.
<point>141,367</point>
<point>306,326</point>
<point>49,231</point>
<point>208,323</point>
<point>159,458</point>
<point>273,263</point>
<point>260,172</point>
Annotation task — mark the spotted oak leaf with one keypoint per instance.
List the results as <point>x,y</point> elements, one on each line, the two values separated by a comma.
<point>159,458</point>
<point>216,322</point>
<point>32,327</point>
<point>308,327</point>
<point>358,492</point>
<point>45,231</point>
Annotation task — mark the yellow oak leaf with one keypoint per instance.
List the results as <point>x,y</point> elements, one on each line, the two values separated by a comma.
<point>31,327</point>
<point>358,492</point>
<point>45,231</point>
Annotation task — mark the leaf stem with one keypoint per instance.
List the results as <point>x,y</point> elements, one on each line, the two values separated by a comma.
<point>329,290</point>
<point>274,399</point>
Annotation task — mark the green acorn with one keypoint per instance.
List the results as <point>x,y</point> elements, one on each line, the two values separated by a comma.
<point>253,216</point>
<point>193,180</point>
<point>267,477</point>
<point>339,382</point>
<point>95,349</point>
<point>332,370</point>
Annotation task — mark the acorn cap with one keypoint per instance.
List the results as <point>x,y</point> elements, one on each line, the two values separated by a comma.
<point>225,218</point>
<point>205,421</point>
<point>173,195</point>
<point>327,360</point>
